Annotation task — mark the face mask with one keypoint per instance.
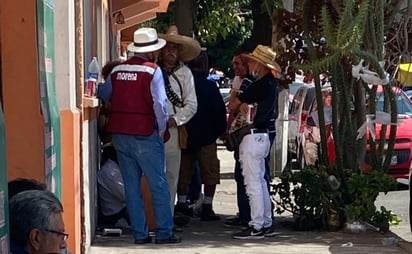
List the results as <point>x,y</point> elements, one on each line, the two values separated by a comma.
<point>254,74</point>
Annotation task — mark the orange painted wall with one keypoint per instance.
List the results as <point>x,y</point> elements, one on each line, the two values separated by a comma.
<point>21,95</point>
<point>71,186</point>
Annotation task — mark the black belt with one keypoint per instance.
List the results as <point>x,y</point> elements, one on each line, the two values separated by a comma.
<point>255,131</point>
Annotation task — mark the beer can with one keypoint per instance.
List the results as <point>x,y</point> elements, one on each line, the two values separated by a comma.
<point>91,87</point>
<point>249,116</point>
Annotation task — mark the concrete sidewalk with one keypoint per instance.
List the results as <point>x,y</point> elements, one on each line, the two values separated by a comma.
<point>211,237</point>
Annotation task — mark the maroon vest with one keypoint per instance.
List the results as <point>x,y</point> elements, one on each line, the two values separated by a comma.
<point>132,103</point>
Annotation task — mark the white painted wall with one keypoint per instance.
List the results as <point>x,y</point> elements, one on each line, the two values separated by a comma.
<point>64,22</point>
<point>90,166</point>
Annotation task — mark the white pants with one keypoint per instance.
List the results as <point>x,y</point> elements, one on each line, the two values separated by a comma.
<point>252,152</point>
<point>173,152</point>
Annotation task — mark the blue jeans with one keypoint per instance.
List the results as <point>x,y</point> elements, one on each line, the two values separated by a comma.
<point>242,198</point>
<point>144,155</point>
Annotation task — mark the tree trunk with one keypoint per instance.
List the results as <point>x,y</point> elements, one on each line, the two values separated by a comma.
<point>262,24</point>
<point>184,16</point>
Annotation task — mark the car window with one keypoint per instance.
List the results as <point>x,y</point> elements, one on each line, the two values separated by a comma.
<point>403,104</point>
<point>309,99</point>
<point>293,88</point>
<point>297,100</point>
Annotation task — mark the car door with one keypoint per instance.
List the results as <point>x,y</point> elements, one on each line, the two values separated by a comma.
<point>297,114</point>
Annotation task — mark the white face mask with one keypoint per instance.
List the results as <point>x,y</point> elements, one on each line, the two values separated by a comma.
<point>254,74</point>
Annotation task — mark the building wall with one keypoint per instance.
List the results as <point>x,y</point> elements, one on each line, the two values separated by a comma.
<point>89,168</point>
<point>66,88</point>
<point>96,38</point>
<point>25,147</point>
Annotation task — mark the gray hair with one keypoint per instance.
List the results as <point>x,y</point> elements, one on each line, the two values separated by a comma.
<point>31,209</point>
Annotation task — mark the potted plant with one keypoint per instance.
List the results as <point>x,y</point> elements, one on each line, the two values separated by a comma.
<point>362,189</point>
<point>309,197</point>
<point>384,218</point>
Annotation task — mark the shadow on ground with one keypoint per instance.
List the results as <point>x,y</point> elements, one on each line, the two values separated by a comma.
<point>201,235</point>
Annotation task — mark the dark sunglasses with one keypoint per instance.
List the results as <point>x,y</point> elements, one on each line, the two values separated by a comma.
<point>62,234</point>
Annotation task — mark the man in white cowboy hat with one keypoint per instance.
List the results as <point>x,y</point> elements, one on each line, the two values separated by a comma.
<point>138,122</point>
<point>262,95</point>
<point>181,93</point>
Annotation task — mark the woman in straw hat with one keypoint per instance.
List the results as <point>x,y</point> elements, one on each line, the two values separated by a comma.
<point>262,95</point>
<point>181,93</point>
<point>137,122</point>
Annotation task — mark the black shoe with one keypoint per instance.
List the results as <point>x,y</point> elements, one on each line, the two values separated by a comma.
<point>173,239</point>
<point>181,220</point>
<point>269,231</point>
<point>249,233</point>
<point>236,222</point>
<point>177,229</point>
<point>143,241</point>
<point>208,214</point>
<point>183,209</point>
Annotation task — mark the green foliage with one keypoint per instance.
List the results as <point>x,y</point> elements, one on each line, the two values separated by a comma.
<point>361,192</point>
<point>230,16</point>
<point>385,215</point>
<point>306,194</point>
<point>162,21</point>
<point>220,26</point>
<point>353,30</point>
<point>309,194</point>
<point>214,19</point>
<point>343,38</point>
<point>269,6</point>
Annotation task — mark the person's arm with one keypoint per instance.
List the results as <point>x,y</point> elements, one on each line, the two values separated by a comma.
<point>242,102</point>
<point>158,91</point>
<point>234,103</point>
<point>189,98</point>
<point>104,90</point>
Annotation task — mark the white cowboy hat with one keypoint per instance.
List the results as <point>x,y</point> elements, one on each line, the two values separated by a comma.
<point>190,48</point>
<point>265,56</point>
<point>145,40</point>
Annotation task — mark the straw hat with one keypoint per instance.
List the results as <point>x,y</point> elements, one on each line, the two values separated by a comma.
<point>145,40</point>
<point>265,56</point>
<point>190,48</point>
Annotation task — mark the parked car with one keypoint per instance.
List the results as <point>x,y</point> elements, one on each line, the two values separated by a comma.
<point>409,94</point>
<point>304,133</point>
<point>401,160</point>
<point>298,112</point>
<point>293,88</point>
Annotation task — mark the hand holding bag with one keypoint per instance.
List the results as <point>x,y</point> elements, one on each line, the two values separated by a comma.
<point>234,139</point>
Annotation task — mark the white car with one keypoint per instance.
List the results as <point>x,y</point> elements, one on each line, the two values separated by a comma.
<point>299,110</point>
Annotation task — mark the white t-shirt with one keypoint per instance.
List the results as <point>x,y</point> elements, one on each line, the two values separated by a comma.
<point>236,82</point>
